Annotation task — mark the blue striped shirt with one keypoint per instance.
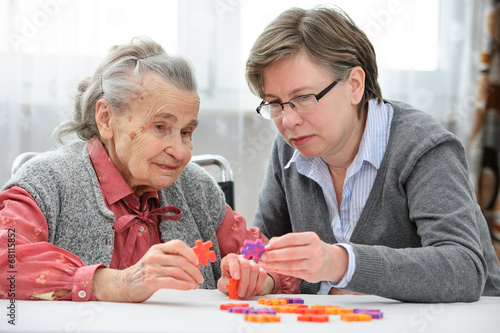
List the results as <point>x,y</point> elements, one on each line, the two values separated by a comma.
<point>357,184</point>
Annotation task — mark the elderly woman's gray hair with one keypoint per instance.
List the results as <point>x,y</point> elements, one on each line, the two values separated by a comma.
<point>118,80</point>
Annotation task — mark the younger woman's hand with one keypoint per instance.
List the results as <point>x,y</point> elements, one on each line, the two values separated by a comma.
<point>304,255</point>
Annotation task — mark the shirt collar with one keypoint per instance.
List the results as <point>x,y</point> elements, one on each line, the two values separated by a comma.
<point>113,185</point>
<point>371,147</point>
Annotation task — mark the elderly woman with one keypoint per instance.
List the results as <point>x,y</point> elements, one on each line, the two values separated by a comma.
<point>361,194</point>
<point>113,216</point>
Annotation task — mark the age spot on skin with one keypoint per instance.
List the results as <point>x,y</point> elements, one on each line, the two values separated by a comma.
<point>134,134</point>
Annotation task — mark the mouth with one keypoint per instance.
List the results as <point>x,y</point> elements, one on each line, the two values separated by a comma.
<point>168,166</point>
<point>300,140</point>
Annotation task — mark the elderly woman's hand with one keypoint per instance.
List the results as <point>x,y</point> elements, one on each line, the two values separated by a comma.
<point>253,279</point>
<point>170,265</point>
<point>304,255</point>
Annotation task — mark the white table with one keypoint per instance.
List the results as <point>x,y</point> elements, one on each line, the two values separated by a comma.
<point>198,311</point>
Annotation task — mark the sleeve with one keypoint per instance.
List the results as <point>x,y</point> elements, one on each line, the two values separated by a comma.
<point>449,266</point>
<point>231,234</point>
<point>35,268</point>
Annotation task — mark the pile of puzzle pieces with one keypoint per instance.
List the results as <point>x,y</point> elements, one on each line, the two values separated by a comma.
<point>315,313</point>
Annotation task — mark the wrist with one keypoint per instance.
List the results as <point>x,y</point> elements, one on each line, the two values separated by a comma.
<point>268,286</point>
<point>340,258</point>
<point>105,285</point>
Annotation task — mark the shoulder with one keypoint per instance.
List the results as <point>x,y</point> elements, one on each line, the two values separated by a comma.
<point>414,131</point>
<point>413,123</point>
<point>53,174</point>
<point>63,162</point>
<point>415,134</point>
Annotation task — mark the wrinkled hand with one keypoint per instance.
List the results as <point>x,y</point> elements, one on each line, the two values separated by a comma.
<point>304,255</point>
<point>253,279</point>
<point>170,265</point>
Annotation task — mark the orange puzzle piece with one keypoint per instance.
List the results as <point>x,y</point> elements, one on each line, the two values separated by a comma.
<point>232,287</point>
<point>232,305</point>
<point>203,252</point>
<point>263,318</point>
<point>355,317</point>
<point>314,317</point>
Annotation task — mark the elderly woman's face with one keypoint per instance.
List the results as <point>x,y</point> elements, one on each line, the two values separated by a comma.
<point>152,142</point>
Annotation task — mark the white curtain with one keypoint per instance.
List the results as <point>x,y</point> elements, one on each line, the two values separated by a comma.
<point>427,53</point>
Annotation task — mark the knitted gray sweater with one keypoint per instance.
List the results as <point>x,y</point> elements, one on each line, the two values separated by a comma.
<point>421,236</point>
<point>65,187</point>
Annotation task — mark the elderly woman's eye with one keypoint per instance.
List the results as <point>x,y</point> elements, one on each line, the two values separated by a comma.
<point>160,127</point>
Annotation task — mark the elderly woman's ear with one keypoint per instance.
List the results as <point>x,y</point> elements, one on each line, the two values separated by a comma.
<point>103,115</point>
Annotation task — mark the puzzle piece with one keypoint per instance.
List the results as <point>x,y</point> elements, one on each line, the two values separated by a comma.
<point>262,318</point>
<point>272,301</point>
<point>294,300</point>
<point>232,305</point>
<point>306,311</point>
<point>289,308</point>
<point>239,309</point>
<point>253,249</point>
<point>258,311</point>
<point>314,317</point>
<point>330,309</point>
<point>232,288</point>
<point>376,314</point>
<point>342,311</point>
<point>355,317</point>
<point>203,252</point>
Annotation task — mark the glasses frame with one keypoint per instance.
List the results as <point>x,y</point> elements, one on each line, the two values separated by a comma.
<point>317,96</point>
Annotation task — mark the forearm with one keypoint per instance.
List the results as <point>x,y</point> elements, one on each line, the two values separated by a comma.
<point>43,271</point>
<point>431,274</point>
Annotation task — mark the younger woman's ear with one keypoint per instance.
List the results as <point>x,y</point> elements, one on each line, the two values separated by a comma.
<point>357,83</point>
<point>103,115</point>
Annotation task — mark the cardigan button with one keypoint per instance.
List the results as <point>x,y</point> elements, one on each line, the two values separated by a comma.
<point>82,294</point>
<point>141,228</point>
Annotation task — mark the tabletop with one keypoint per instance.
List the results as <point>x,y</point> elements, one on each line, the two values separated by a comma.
<point>199,311</point>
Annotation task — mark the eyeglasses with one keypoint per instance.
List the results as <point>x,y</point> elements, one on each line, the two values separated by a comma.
<point>300,104</point>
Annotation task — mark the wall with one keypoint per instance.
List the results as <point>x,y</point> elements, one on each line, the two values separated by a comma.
<point>245,139</point>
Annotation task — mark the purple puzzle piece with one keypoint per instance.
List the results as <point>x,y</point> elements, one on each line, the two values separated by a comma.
<point>259,311</point>
<point>253,249</point>
<point>239,309</point>
<point>375,314</point>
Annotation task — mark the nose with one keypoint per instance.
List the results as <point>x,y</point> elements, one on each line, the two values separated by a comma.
<point>290,118</point>
<point>177,148</point>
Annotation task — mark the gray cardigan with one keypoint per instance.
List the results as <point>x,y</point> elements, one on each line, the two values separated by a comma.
<point>421,236</point>
<point>65,187</point>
